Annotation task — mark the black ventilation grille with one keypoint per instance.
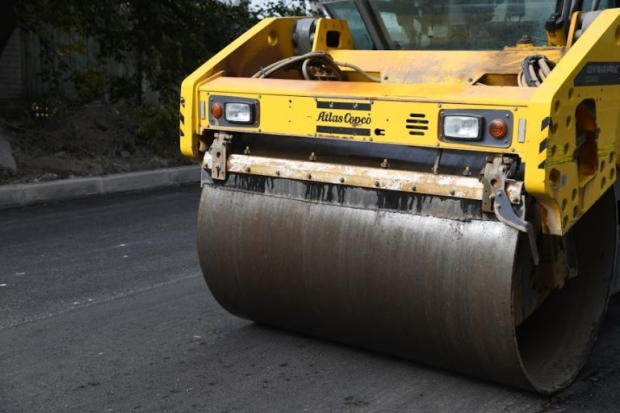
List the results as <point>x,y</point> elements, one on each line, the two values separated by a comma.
<point>417,124</point>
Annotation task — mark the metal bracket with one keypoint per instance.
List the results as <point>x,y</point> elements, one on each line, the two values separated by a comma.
<point>494,182</point>
<point>218,155</point>
<point>437,161</point>
<point>495,176</point>
<point>505,213</point>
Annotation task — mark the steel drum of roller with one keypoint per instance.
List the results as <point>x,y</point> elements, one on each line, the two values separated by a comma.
<point>428,279</point>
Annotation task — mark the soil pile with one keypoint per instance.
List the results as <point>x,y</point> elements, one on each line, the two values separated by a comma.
<point>94,139</point>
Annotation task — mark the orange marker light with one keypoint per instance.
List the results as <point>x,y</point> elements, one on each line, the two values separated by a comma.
<point>217,110</point>
<point>498,128</point>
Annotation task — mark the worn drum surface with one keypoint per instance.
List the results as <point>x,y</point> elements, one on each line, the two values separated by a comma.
<point>426,279</point>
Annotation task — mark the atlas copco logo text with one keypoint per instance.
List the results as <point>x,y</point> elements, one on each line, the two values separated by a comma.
<point>346,118</point>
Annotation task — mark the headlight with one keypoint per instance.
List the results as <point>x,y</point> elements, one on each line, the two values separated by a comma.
<point>233,111</point>
<point>476,127</point>
<point>462,127</point>
<point>238,113</point>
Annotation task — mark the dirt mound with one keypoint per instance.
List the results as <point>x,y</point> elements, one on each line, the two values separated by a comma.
<point>94,139</point>
<point>100,130</point>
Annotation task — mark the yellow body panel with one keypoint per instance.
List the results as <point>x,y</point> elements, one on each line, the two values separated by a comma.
<point>558,185</point>
<point>265,43</point>
<point>424,83</point>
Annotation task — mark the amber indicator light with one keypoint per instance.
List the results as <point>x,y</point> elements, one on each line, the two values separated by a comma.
<point>217,110</point>
<point>498,128</point>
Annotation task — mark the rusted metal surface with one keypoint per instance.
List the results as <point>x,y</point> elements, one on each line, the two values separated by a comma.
<point>494,179</point>
<point>344,264</point>
<point>457,186</point>
<point>218,155</point>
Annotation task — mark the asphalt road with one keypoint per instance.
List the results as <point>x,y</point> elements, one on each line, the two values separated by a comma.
<point>103,309</point>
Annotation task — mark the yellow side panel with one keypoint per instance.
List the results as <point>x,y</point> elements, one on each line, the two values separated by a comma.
<point>263,44</point>
<point>553,169</point>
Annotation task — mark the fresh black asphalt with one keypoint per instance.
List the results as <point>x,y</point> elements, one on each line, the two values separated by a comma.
<point>103,309</point>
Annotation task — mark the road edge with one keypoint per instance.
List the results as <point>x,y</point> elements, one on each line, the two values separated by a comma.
<point>32,193</point>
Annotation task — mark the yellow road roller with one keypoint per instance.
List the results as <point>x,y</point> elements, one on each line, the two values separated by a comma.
<point>431,179</point>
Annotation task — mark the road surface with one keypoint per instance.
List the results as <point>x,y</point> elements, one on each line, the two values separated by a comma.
<point>103,309</point>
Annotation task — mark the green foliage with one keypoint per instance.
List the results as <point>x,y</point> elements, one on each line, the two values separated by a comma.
<point>292,8</point>
<point>121,89</point>
<point>159,41</point>
<point>156,124</point>
<point>89,85</point>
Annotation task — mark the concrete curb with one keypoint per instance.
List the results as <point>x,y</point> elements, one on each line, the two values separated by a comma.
<point>27,194</point>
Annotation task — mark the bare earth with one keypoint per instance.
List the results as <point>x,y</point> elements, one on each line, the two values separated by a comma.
<point>92,140</point>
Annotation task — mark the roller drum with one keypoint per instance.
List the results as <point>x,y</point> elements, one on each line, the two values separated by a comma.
<point>429,281</point>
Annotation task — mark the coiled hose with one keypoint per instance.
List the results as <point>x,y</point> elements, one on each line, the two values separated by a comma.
<point>535,70</point>
<point>313,66</point>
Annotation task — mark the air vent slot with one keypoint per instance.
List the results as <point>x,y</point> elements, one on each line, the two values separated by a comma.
<point>417,124</point>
